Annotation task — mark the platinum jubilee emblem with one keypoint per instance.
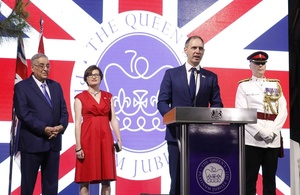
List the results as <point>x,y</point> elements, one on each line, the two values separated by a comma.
<point>213,175</point>
<point>133,50</point>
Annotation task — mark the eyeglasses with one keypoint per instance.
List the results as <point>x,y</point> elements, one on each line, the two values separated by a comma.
<point>259,63</point>
<point>94,75</point>
<point>42,66</point>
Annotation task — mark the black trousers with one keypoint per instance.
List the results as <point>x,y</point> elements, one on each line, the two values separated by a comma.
<point>174,168</point>
<point>267,158</point>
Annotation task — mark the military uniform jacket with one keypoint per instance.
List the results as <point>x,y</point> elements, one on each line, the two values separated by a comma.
<point>251,94</point>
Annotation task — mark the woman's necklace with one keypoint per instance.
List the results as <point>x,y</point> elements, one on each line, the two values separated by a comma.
<point>95,94</point>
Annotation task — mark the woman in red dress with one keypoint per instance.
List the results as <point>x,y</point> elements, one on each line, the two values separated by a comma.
<point>94,117</point>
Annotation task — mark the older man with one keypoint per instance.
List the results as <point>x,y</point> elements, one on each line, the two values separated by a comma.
<point>40,107</point>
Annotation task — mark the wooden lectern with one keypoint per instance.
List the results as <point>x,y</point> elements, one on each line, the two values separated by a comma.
<point>211,143</point>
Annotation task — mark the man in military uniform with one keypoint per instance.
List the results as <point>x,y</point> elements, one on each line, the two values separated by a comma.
<point>263,138</point>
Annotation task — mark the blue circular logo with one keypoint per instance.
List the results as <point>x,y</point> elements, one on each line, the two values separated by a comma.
<point>213,175</point>
<point>133,72</point>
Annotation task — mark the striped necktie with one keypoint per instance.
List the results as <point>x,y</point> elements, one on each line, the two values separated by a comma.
<point>46,94</point>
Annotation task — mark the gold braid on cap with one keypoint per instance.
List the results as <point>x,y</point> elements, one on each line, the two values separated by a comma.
<point>269,98</point>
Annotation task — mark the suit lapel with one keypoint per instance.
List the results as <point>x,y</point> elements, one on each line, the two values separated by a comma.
<point>183,80</point>
<point>203,79</point>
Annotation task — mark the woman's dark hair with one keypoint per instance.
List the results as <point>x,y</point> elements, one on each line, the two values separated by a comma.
<point>89,71</point>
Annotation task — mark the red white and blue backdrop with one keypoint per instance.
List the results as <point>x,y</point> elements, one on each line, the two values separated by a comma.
<point>134,42</point>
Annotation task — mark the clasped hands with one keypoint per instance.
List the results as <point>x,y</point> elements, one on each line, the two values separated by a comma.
<point>267,136</point>
<point>52,132</point>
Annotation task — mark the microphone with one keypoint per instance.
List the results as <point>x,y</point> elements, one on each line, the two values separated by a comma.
<point>194,103</point>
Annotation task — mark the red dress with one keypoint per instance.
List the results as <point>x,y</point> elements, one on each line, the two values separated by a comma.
<point>96,140</point>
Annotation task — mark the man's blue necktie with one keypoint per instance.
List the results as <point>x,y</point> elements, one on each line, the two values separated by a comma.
<point>192,84</point>
<point>46,94</point>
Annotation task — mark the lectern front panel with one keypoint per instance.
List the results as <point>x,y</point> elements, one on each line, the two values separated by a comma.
<point>213,159</point>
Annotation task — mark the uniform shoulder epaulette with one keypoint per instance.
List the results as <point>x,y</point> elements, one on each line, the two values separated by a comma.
<point>273,80</point>
<point>245,80</point>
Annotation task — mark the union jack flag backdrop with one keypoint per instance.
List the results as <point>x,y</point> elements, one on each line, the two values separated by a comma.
<point>133,42</point>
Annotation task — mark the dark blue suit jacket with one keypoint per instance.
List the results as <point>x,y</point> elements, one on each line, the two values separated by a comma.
<point>35,114</point>
<point>174,92</point>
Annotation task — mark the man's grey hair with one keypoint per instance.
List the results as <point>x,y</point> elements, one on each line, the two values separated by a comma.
<point>37,56</point>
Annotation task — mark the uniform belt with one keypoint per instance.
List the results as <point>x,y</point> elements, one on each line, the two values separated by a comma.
<point>266,116</point>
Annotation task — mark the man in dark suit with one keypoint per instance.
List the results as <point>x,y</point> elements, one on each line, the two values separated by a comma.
<point>175,91</point>
<point>43,120</point>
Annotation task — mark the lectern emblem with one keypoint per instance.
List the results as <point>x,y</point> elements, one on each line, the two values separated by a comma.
<point>213,175</point>
<point>216,114</point>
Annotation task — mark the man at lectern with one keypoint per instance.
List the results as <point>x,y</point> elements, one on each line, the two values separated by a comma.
<point>186,85</point>
<point>263,138</point>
